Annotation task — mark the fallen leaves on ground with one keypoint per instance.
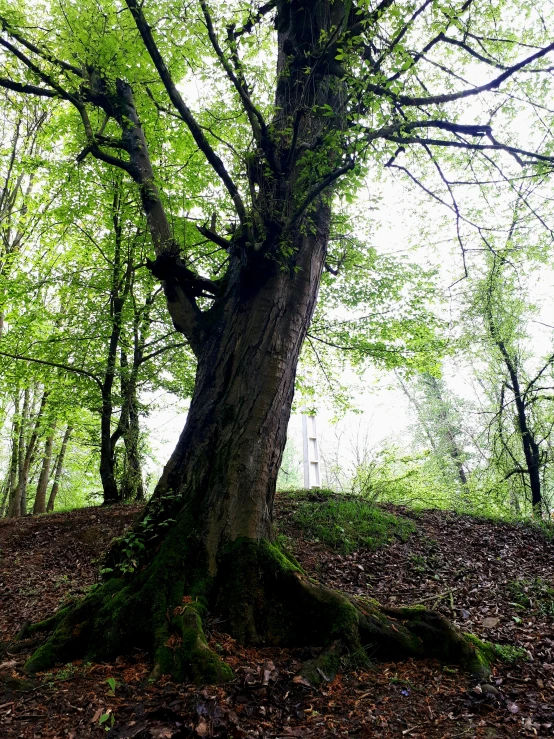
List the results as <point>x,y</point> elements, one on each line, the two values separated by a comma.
<point>471,570</point>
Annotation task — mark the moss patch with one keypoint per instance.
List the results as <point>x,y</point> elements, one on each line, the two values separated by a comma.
<point>533,595</point>
<point>350,523</point>
<point>489,652</point>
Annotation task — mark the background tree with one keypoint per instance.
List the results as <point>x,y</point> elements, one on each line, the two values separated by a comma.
<point>440,421</point>
<point>521,425</point>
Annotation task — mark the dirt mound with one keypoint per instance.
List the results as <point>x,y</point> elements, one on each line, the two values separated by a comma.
<point>45,560</point>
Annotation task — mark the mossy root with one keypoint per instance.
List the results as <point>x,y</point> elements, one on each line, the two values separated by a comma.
<point>264,598</point>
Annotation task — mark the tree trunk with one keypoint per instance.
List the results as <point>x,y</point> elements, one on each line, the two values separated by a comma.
<point>11,477</point>
<point>58,470</point>
<point>29,456</point>
<point>132,487</point>
<point>40,498</point>
<point>121,285</point>
<point>15,501</point>
<point>531,450</point>
<point>449,431</point>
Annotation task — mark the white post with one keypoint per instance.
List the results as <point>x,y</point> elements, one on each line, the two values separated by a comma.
<point>311,452</point>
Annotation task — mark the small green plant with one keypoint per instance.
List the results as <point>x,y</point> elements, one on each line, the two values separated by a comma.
<point>348,523</point>
<point>113,684</point>
<point>66,672</point>
<point>419,562</point>
<point>133,544</point>
<point>107,720</point>
<point>533,595</point>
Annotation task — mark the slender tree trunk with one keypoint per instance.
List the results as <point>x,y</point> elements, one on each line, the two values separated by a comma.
<point>450,432</point>
<point>132,450</point>
<point>531,449</point>
<point>15,501</point>
<point>11,476</point>
<point>131,484</point>
<point>121,284</point>
<point>40,498</point>
<point>59,469</point>
<point>20,496</point>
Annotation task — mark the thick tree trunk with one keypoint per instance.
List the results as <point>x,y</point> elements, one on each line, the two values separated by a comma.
<point>58,470</point>
<point>224,468</point>
<point>206,540</point>
<point>42,485</point>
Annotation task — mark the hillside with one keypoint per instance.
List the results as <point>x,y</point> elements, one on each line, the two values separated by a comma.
<point>493,579</point>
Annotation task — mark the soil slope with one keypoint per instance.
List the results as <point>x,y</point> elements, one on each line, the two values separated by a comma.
<point>495,580</point>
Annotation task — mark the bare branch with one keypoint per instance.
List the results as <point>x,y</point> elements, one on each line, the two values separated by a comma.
<point>449,97</point>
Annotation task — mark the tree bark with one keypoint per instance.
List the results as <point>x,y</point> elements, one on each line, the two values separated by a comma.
<point>59,469</point>
<point>131,484</point>
<point>11,476</point>
<point>40,497</point>
<point>21,491</point>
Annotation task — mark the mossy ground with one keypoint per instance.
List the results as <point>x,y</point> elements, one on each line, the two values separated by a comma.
<point>347,523</point>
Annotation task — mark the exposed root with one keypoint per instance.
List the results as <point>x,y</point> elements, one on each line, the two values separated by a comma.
<point>188,656</point>
<point>263,597</point>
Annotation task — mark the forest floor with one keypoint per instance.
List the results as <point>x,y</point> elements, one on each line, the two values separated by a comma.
<point>493,579</point>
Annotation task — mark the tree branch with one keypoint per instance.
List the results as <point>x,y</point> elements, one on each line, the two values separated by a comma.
<point>162,350</point>
<point>257,122</point>
<point>513,150</point>
<point>255,18</point>
<point>27,89</point>
<point>66,367</point>
<point>319,188</point>
<point>183,110</point>
<point>449,97</point>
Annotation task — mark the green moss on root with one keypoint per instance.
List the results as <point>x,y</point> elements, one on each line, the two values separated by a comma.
<point>264,598</point>
<point>488,653</point>
<point>189,657</point>
<point>325,666</point>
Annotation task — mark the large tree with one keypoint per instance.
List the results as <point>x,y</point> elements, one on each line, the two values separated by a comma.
<point>352,84</point>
